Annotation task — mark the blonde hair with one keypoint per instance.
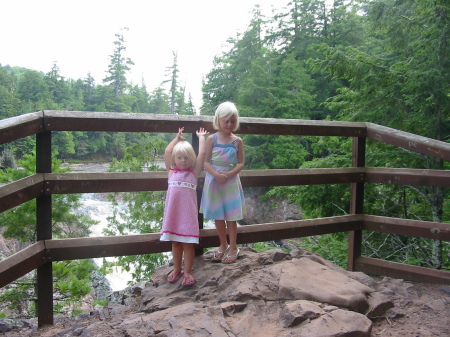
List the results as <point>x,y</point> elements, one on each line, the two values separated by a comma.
<point>226,109</point>
<point>186,149</point>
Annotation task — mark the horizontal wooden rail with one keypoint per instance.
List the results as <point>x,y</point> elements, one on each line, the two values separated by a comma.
<point>65,183</point>
<point>409,141</point>
<point>30,187</point>
<point>141,122</point>
<point>424,229</point>
<point>20,126</point>
<point>20,191</point>
<point>97,247</point>
<point>21,263</point>
<point>401,176</point>
<point>267,178</point>
<point>94,247</point>
<point>397,270</point>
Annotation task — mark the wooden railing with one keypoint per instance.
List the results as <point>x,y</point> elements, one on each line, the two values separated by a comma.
<point>42,185</point>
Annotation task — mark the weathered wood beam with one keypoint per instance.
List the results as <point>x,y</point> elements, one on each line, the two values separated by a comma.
<point>424,229</point>
<point>267,178</point>
<point>20,191</point>
<point>298,228</point>
<point>141,122</point>
<point>402,176</point>
<point>123,122</point>
<point>65,183</point>
<point>21,263</point>
<point>406,272</point>
<point>20,126</point>
<point>409,141</point>
<point>106,246</point>
<point>300,127</point>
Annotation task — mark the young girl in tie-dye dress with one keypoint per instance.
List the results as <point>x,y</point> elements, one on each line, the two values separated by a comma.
<point>223,197</point>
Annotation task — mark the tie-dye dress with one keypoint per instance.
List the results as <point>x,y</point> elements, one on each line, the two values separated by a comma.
<point>180,221</point>
<point>223,201</point>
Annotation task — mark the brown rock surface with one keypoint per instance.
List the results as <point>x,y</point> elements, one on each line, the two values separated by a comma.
<point>264,294</point>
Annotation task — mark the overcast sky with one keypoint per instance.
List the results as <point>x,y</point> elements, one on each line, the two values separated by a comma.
<point>79,35</point>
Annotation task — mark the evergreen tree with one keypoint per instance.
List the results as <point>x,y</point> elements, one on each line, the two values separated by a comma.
<point>9,102</point>
<point>57,87</point>
<point>117,70</point>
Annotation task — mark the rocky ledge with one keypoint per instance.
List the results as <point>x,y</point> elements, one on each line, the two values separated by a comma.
<point>271,293</point>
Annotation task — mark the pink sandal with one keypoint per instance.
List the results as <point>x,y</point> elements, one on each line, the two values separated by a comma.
<point>174,277</point>
<point>188,280</point>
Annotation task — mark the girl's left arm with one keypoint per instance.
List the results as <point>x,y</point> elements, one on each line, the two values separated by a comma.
<point>241,160</point>
<point>198,166</point>
<point>169,148</point>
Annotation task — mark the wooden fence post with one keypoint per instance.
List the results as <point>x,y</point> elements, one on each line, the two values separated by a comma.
<point>195,143</point>
<point>44,231</point>
<point>356,202</point>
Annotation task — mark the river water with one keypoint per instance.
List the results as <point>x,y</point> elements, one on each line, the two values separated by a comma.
<point>97,208</point>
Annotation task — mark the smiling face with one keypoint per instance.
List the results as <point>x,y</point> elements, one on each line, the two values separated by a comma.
<point>228,123</point>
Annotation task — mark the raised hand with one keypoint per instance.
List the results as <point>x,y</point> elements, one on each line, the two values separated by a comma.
<point>201,132</point>
<point>180,134</point>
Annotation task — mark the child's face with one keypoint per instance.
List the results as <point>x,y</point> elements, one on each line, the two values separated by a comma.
<point>182,161</point>
<point>228,123</point>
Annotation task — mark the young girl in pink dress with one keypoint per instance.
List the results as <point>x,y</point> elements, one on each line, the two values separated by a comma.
<point>180,224</point>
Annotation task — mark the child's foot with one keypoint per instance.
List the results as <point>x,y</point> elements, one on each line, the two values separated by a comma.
<point>218,255</point>
<point>231,258</point>
<point>188,280</point>
<point>174,277</point>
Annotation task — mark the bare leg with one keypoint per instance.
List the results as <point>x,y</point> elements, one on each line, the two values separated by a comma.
<point>177,252</point>
<point>222,233</point>
<point>189,255</point>
<point>232,235</point>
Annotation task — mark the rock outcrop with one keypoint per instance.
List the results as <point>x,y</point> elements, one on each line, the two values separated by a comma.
<point>264,294</point>
<point>266,210</point>
<point>271,293</point>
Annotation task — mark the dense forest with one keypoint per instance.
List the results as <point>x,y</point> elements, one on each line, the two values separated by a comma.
<point>379,61</point>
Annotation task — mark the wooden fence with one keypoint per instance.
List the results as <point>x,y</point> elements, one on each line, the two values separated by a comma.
<point>42,185</point>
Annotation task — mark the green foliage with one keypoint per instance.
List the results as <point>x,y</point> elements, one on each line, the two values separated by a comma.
<point>20,222</point>
<point>265,246</point>
<point>71,285</point>
<point>71,278</point>
<point>333,247</point>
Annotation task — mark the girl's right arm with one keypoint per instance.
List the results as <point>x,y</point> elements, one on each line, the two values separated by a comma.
<point>169,149</point>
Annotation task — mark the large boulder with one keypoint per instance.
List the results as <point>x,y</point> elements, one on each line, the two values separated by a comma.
<point>271,293</point>
<point>267,294</point>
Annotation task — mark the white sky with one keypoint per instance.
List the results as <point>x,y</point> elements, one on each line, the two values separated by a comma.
<point>79,35</point>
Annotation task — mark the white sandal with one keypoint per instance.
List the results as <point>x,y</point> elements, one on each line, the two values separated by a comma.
<point>218,255</point>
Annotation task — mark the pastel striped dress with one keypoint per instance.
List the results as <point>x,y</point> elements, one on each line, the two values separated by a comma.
<point>223,201</point>
<point>180,221</point>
